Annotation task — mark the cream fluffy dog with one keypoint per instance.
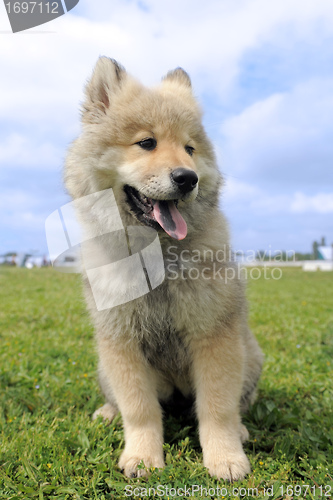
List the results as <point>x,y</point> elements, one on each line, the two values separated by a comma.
<point>149,146</point>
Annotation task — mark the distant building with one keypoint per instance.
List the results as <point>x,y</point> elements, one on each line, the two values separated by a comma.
<point>325,252</point>
<point>322,259</point>
<point>321,251</point>
<point>27,260</point>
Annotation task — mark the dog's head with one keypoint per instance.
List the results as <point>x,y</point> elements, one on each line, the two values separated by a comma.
<point>148,145</point>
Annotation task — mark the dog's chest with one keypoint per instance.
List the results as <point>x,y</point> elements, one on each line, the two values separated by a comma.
<point>161,343</point>
<point>166,353</point>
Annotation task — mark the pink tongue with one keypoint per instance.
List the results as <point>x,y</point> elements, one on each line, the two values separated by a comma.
<point>167,215</point>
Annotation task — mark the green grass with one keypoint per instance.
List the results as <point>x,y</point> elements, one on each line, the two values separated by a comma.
<point>50,448</point>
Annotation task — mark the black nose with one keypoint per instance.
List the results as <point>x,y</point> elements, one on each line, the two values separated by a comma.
<point>185,179</point>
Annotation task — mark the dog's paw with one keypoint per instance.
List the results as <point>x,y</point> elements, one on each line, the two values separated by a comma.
<point>244,433</point>
<point>108,412</point>
<point>232,469</point>
<point>129,465</point>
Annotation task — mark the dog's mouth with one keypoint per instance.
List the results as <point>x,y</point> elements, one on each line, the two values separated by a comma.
<point>157,213</point>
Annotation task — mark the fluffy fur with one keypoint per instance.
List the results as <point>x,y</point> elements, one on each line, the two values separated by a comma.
<point>188,334</point>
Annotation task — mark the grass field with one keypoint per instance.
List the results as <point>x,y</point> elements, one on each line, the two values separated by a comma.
<point>50,448</point>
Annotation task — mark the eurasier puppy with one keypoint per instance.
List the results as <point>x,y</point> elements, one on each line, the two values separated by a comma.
<point>190,333</point>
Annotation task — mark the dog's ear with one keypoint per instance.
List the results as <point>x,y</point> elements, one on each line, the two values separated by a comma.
<point>106,79</point>
<point>178,75</point>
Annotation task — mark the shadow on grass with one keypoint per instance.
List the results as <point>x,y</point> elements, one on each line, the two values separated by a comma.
<point>278,426</point>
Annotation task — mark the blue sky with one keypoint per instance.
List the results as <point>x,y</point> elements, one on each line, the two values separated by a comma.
<point>263,72</point>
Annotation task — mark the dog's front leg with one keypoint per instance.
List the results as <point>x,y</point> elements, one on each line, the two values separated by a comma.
<point>134,387</point>
<point>217,374</point>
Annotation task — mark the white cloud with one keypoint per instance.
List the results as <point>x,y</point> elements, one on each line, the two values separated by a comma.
<point>22,151</point>
<point>23,215</point>
<point>43,74</point>
<point>248,198</point>
<point>284,139</point>
<point>245,198</point>
<point>321,203</point>
<point>235,190</point>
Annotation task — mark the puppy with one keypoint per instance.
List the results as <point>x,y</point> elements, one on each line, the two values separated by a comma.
<point>190,332</point>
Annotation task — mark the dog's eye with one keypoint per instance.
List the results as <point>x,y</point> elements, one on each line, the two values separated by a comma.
<point>189,150</point>
<point>148,144</point>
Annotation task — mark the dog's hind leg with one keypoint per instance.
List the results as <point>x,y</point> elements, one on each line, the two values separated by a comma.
<point>110,409</point>
<point>253,364</point>
<point>244,433</point>
<point>107,411</point>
